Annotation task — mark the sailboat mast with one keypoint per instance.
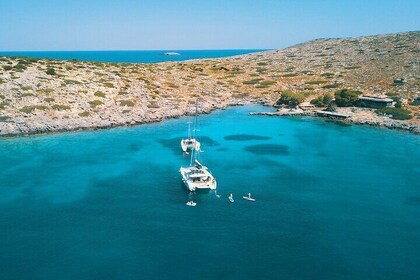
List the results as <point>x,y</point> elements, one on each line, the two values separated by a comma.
<point>189,130</point>
<point>192,157</point>
<point>195,118</point>
<point>193,150</point>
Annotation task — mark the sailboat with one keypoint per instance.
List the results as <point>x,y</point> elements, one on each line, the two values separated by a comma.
<point>197,176</point>
<point>191,143</point>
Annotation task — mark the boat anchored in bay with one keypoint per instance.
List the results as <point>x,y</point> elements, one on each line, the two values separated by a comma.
<point>197,176</point>
<point>190,142</point>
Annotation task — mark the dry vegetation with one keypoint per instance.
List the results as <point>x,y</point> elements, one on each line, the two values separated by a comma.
<point>40,95</point>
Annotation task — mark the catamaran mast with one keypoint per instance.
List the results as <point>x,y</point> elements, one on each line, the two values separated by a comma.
<point>194,149</point>
<point>189,130</point>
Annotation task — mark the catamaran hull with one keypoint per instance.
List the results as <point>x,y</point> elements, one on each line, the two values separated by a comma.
<point>192,186</point>
<point>185,146</point>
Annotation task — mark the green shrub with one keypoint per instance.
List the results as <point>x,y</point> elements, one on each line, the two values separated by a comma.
<point>27,94</point>
<point>335,85</point>
<point>51,71</point>
<point>322,101</point>
<point>395,113</point>
<point>262,63</point>
<point>95,103</point>
<point>127,103</point>
<point>317,102</point>
<point>84,114</point>
<point>72,82</point>
<point>252,82</point>
<point>59,107</point>
<point>346,97</point>
<point>327,99</point>
<point>30,109</point>
<point>172,85</point>
<point>7,67</point>
<point>109,85</point>
<point>290,98</point>
<point>290,75</point>
<point>49,99</point>
<point>261,70</point>
<point>99,94</point>
<point>267,83</point>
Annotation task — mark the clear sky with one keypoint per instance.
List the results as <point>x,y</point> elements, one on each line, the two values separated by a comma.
<point>194,24</point>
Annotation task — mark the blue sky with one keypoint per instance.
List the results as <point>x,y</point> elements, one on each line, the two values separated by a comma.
<point>189,24</point>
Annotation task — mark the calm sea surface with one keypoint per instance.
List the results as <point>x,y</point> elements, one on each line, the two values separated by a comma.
<point>130,56</point>
<point>333,202</point>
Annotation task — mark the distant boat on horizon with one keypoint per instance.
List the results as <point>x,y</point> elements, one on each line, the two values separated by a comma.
<point>171,53</point>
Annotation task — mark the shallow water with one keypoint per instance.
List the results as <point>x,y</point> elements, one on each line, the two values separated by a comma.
<point>333,202</point>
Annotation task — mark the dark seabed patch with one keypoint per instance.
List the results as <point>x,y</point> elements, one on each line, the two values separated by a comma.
<point>135,147</point>
<point>321,154</point>
<point>412,200</point>
<point>224,149</point>
<point>268,149</point>
<point>338,123</point>
<point>173,144</point>
<point>245,137</point>
<point>207,141</point>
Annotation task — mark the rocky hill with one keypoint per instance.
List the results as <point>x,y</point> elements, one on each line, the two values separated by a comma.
<point>40,95</point>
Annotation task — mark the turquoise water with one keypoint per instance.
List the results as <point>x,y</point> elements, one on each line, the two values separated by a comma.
<point>333,202</point>
<point>130,56</point>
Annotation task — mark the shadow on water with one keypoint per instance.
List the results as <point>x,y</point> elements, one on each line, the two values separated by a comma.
<point>245,137</point>
<point>174,144</point>
<point>268,149</point>
<point>205,140</point>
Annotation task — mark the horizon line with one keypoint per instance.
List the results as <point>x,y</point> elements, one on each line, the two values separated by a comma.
<point>134,50</point>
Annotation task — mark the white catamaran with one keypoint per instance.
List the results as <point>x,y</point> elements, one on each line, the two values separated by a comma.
<point>197,176</point>
<point>191,143</point>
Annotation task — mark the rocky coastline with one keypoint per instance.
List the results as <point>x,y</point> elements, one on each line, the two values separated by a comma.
<point>45,96</point>
<point>356,116</point>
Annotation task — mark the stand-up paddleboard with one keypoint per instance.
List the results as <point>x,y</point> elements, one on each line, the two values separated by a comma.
<point>191,203</point>
<point>248,198</point>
